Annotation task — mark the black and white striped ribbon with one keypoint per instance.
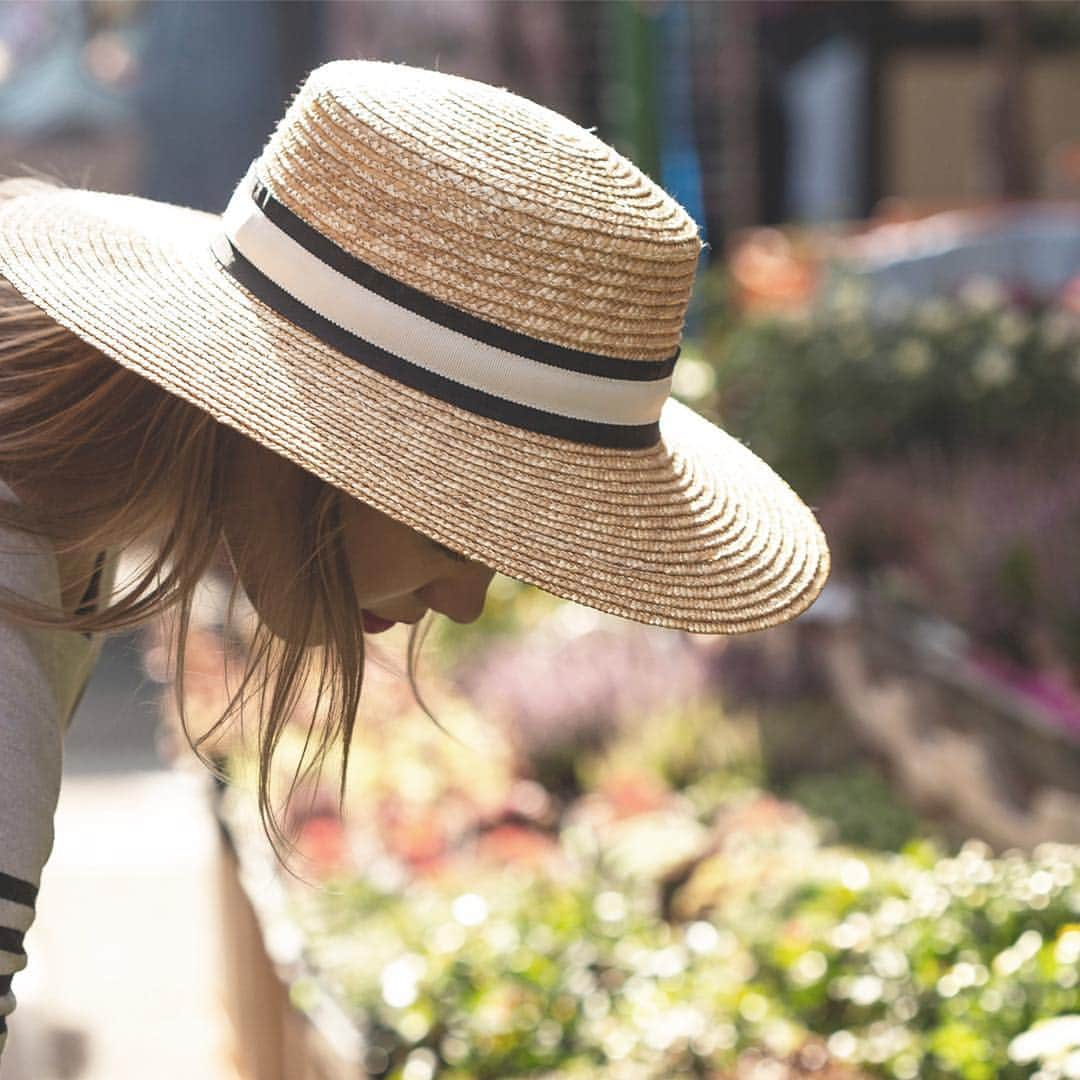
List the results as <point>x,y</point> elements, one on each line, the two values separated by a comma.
<point>430,345</point>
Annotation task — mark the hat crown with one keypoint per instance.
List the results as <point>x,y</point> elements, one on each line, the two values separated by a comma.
<point>489,202</point>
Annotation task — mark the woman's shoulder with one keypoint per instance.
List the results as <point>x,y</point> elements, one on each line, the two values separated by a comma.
<point>33,559</point>
<point>62,659</point>
<point>27,563</point>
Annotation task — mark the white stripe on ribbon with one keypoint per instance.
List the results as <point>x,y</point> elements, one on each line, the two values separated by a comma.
<point>425,343</point>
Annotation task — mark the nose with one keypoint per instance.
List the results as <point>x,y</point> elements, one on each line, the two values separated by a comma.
<point>459,595</point>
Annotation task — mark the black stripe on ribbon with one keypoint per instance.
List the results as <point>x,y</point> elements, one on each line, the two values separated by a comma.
<point>17,890</point>
<point>11,940</point>
<point>592,432</point>
<point>5,984</point>
<point>452,318</point>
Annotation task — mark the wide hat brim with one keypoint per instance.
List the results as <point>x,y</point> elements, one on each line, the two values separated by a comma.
<point>696,533</point>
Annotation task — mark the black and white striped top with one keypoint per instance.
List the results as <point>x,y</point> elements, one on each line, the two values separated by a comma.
<point>42,677</point>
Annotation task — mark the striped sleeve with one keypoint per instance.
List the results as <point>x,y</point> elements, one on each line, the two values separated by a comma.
<point>17,899</point>
<point>31,749</point>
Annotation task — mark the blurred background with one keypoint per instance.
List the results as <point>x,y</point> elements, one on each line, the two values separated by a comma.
<point>847,846</point>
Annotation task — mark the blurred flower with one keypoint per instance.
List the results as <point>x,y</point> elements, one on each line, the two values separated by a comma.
<point>692,378</point>
<point>1048,1040</point>
<point>108,57</point>
<point>1012,328</point>
<point>401,978</point>
<point>414,832</point>
<point>769,377</point>
<point>322,841</point>
<point>1011,580</point>
<point>514,844</point>
<point>912,358</point>
<point>982,293</point>
<point>768,926</point>
<point>767,272</point>
<point>629,794</point>
<point>560,688</point>
<point>994,367</point>
<point>1070,294</point>
<point>871,520</point>
<point>850,300</point>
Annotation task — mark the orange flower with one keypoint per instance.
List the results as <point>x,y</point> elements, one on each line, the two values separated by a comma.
<point>322,841</point>
<point>515,844</point>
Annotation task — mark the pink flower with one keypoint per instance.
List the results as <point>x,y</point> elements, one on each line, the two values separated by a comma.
<point>322,841</point>
<point>515,844</point>
<point>629,794</point>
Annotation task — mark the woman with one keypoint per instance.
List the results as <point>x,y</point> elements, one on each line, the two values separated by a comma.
<point>431,337</point>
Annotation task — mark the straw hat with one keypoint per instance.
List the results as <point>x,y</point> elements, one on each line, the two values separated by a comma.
<point>462,308</point>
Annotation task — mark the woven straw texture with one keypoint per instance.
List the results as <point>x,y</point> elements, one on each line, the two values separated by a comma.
<point>489,202</point>
<point>504,209</point>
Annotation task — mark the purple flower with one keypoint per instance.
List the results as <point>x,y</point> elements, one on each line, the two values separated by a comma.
<point>559,691</point>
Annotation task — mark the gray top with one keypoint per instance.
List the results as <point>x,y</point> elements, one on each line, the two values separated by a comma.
<point>42,676</point>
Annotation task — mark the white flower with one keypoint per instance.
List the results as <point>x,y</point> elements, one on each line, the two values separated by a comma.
<point>912,358</point>
<point>994,367</point>
<point>470,909</point>
<point>850,299</point>
<point>692,378</point>
<point>1012,328</point>
<point>982,292</point>
<point>399,980</point>
<point>1047,1039</point>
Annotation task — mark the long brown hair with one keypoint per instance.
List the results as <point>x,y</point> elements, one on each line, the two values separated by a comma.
<point>124,463</point>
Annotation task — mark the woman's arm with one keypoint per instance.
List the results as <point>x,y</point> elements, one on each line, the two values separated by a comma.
<point>31,759</point>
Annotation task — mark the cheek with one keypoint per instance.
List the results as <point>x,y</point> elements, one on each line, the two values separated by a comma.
<point>378,576</point>
<point>387,559</point>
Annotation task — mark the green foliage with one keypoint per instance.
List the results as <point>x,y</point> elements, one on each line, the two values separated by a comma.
<point>678,916</point>
<point>936,437</point>
<point>856,806</point>
<point>695,749</point>
<point>910,965</point>
<point>843,381</point>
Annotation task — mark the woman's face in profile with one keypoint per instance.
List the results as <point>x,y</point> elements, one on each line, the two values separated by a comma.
<point>398,573</point>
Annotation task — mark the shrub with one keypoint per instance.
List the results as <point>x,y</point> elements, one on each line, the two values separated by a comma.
<point>985,540</point>
<point>847,381</point>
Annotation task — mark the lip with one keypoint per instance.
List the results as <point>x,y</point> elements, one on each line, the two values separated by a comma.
<point>374,624</point>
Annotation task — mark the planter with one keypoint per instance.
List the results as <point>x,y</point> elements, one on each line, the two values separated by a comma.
<point>964,746</point>
<point>281,1032</point>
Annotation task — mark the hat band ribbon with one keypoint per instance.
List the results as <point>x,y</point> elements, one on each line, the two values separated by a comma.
<point>429,345</point>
